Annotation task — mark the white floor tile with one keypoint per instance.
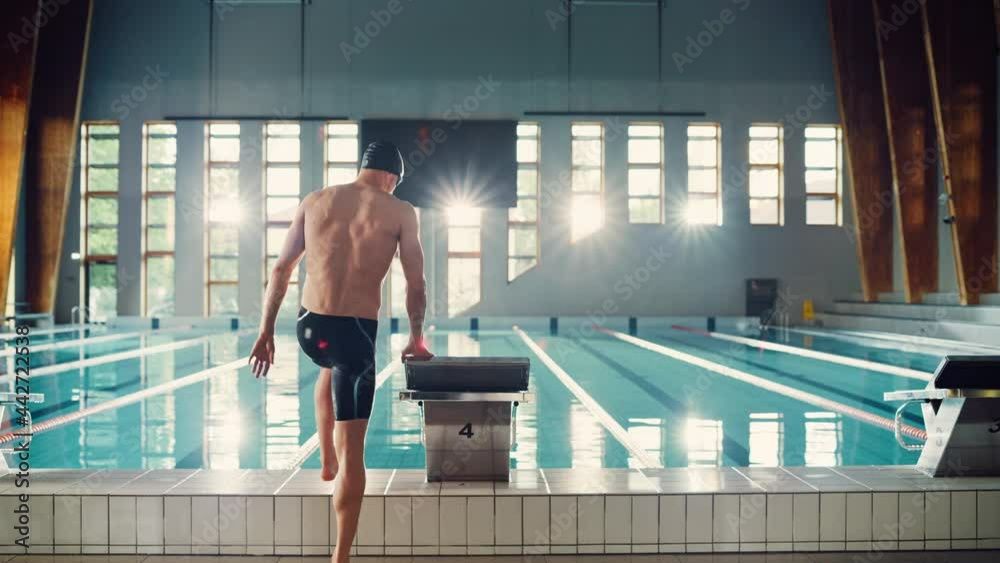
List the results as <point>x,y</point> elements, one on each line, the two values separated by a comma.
<point>911,516</point>
<point>859,517</point>
<point>988,515</point>
<point>673,517</point>
<point>537,519</point>
<point>937,515</point>
<point>260,523</point>
<point>288,521</point>
<point>753,518</point>
<point>617,520</point>
<point>590,520</point>
<point>805,512</point>
<point>122,513</point>
<point>779,518</point>
<point>67,525</point>
<point>427,521</point>
<point>832,517</point>
<point>398,521</point>
<point>232,521</point>
<point>95,520</point>
<point>177,520</point>
<point>205,522</point>
<point>316,521</point>
<point>699,519</point>
<point>480,512</point>
<point>963,515</point>
<point>645,519</point>
<point>454,521</point>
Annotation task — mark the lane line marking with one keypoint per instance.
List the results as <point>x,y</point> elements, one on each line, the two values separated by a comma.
<point>49,331</point>
<point>96,339</point>
<point>767,384</point>
<point>118,356</point>
<point>312,444</point>
<point>56,422</point>
<point>815,354</point>
<point>645,460</point>
<point>855,335</point>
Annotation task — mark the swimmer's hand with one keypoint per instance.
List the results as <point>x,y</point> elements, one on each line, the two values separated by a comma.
<point>262,356</point>
<point>416,350</point>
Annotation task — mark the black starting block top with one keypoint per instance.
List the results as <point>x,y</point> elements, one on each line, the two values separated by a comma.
<point>968,372</point>
<point>468,375</point>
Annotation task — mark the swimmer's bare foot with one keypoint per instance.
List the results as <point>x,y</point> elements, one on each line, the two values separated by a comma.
<point>329,471</point>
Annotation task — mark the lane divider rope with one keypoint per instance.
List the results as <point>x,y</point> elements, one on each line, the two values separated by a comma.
<point>118,356</point>
<point>815,354</point>
<point>96,339</point>
<point>767,384</point>
<point>56,422</point>
<point>646,461</point>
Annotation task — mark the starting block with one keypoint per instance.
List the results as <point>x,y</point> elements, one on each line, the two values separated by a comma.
<point>961,407</point>
<point>468,407</point>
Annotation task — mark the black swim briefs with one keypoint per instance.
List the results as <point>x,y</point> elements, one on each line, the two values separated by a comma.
<point>346,345</point>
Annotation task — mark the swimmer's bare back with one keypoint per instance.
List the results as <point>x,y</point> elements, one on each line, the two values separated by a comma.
<point>351,235</point>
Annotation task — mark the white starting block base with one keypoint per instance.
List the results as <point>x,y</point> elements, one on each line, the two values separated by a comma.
<point>547,511</point>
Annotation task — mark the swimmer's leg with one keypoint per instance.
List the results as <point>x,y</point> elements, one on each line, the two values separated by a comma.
<point>325,425</point>
<point>349,438</point>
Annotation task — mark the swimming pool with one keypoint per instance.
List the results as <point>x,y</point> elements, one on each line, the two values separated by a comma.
<point>180,398</point>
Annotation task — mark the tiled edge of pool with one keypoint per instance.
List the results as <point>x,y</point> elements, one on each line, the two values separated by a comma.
<point>550,511</point>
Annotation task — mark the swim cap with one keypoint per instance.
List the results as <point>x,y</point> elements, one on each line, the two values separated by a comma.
<point>384,156</point>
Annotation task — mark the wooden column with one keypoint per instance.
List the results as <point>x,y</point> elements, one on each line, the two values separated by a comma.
<point>910,120</point>
<point>859,93</point>
<point>53,130</point>
<point>960,42</point>
<point>17,60</point>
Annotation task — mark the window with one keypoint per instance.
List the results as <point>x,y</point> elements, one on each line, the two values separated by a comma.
<point>766,175</point>
<point>704,205</point>
<point>341,152</point>
<point>522,221</point>
<point>282,159</point>
<point>464,258</point>
<point>159,183</point>
<point>99,185</point>
<point>823,171</point>
<point>645,173</point>
<point>222,216</point>
<point>587,204</point>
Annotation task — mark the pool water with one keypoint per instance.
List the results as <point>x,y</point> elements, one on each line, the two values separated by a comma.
<point>679,414</point>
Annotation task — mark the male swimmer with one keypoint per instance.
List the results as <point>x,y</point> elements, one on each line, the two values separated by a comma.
<point>349,235</point>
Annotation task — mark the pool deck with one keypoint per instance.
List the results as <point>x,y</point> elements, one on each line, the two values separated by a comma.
<point>548,511</point>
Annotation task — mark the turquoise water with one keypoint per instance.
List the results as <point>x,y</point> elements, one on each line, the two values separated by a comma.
<point>677,413</point>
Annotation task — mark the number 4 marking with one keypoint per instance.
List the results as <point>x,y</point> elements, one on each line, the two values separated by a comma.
<point>466,431</point>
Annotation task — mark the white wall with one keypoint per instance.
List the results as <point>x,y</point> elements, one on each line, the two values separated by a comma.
<point>256,61</point>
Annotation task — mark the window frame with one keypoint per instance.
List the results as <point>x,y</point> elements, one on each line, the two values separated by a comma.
<point>147,197</point>
<point>89,260</point>
<point>717,195</point>
<point>266,165</point>
<point>838,169</point>
<point>209,223</point>
<point>778,166</point>
<point>660,166</point>
<point>327,136</point>
<point>512,225</point>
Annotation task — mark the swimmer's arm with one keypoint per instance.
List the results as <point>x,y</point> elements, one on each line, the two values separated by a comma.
<point>411,257</point>
<point>277,285</point>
